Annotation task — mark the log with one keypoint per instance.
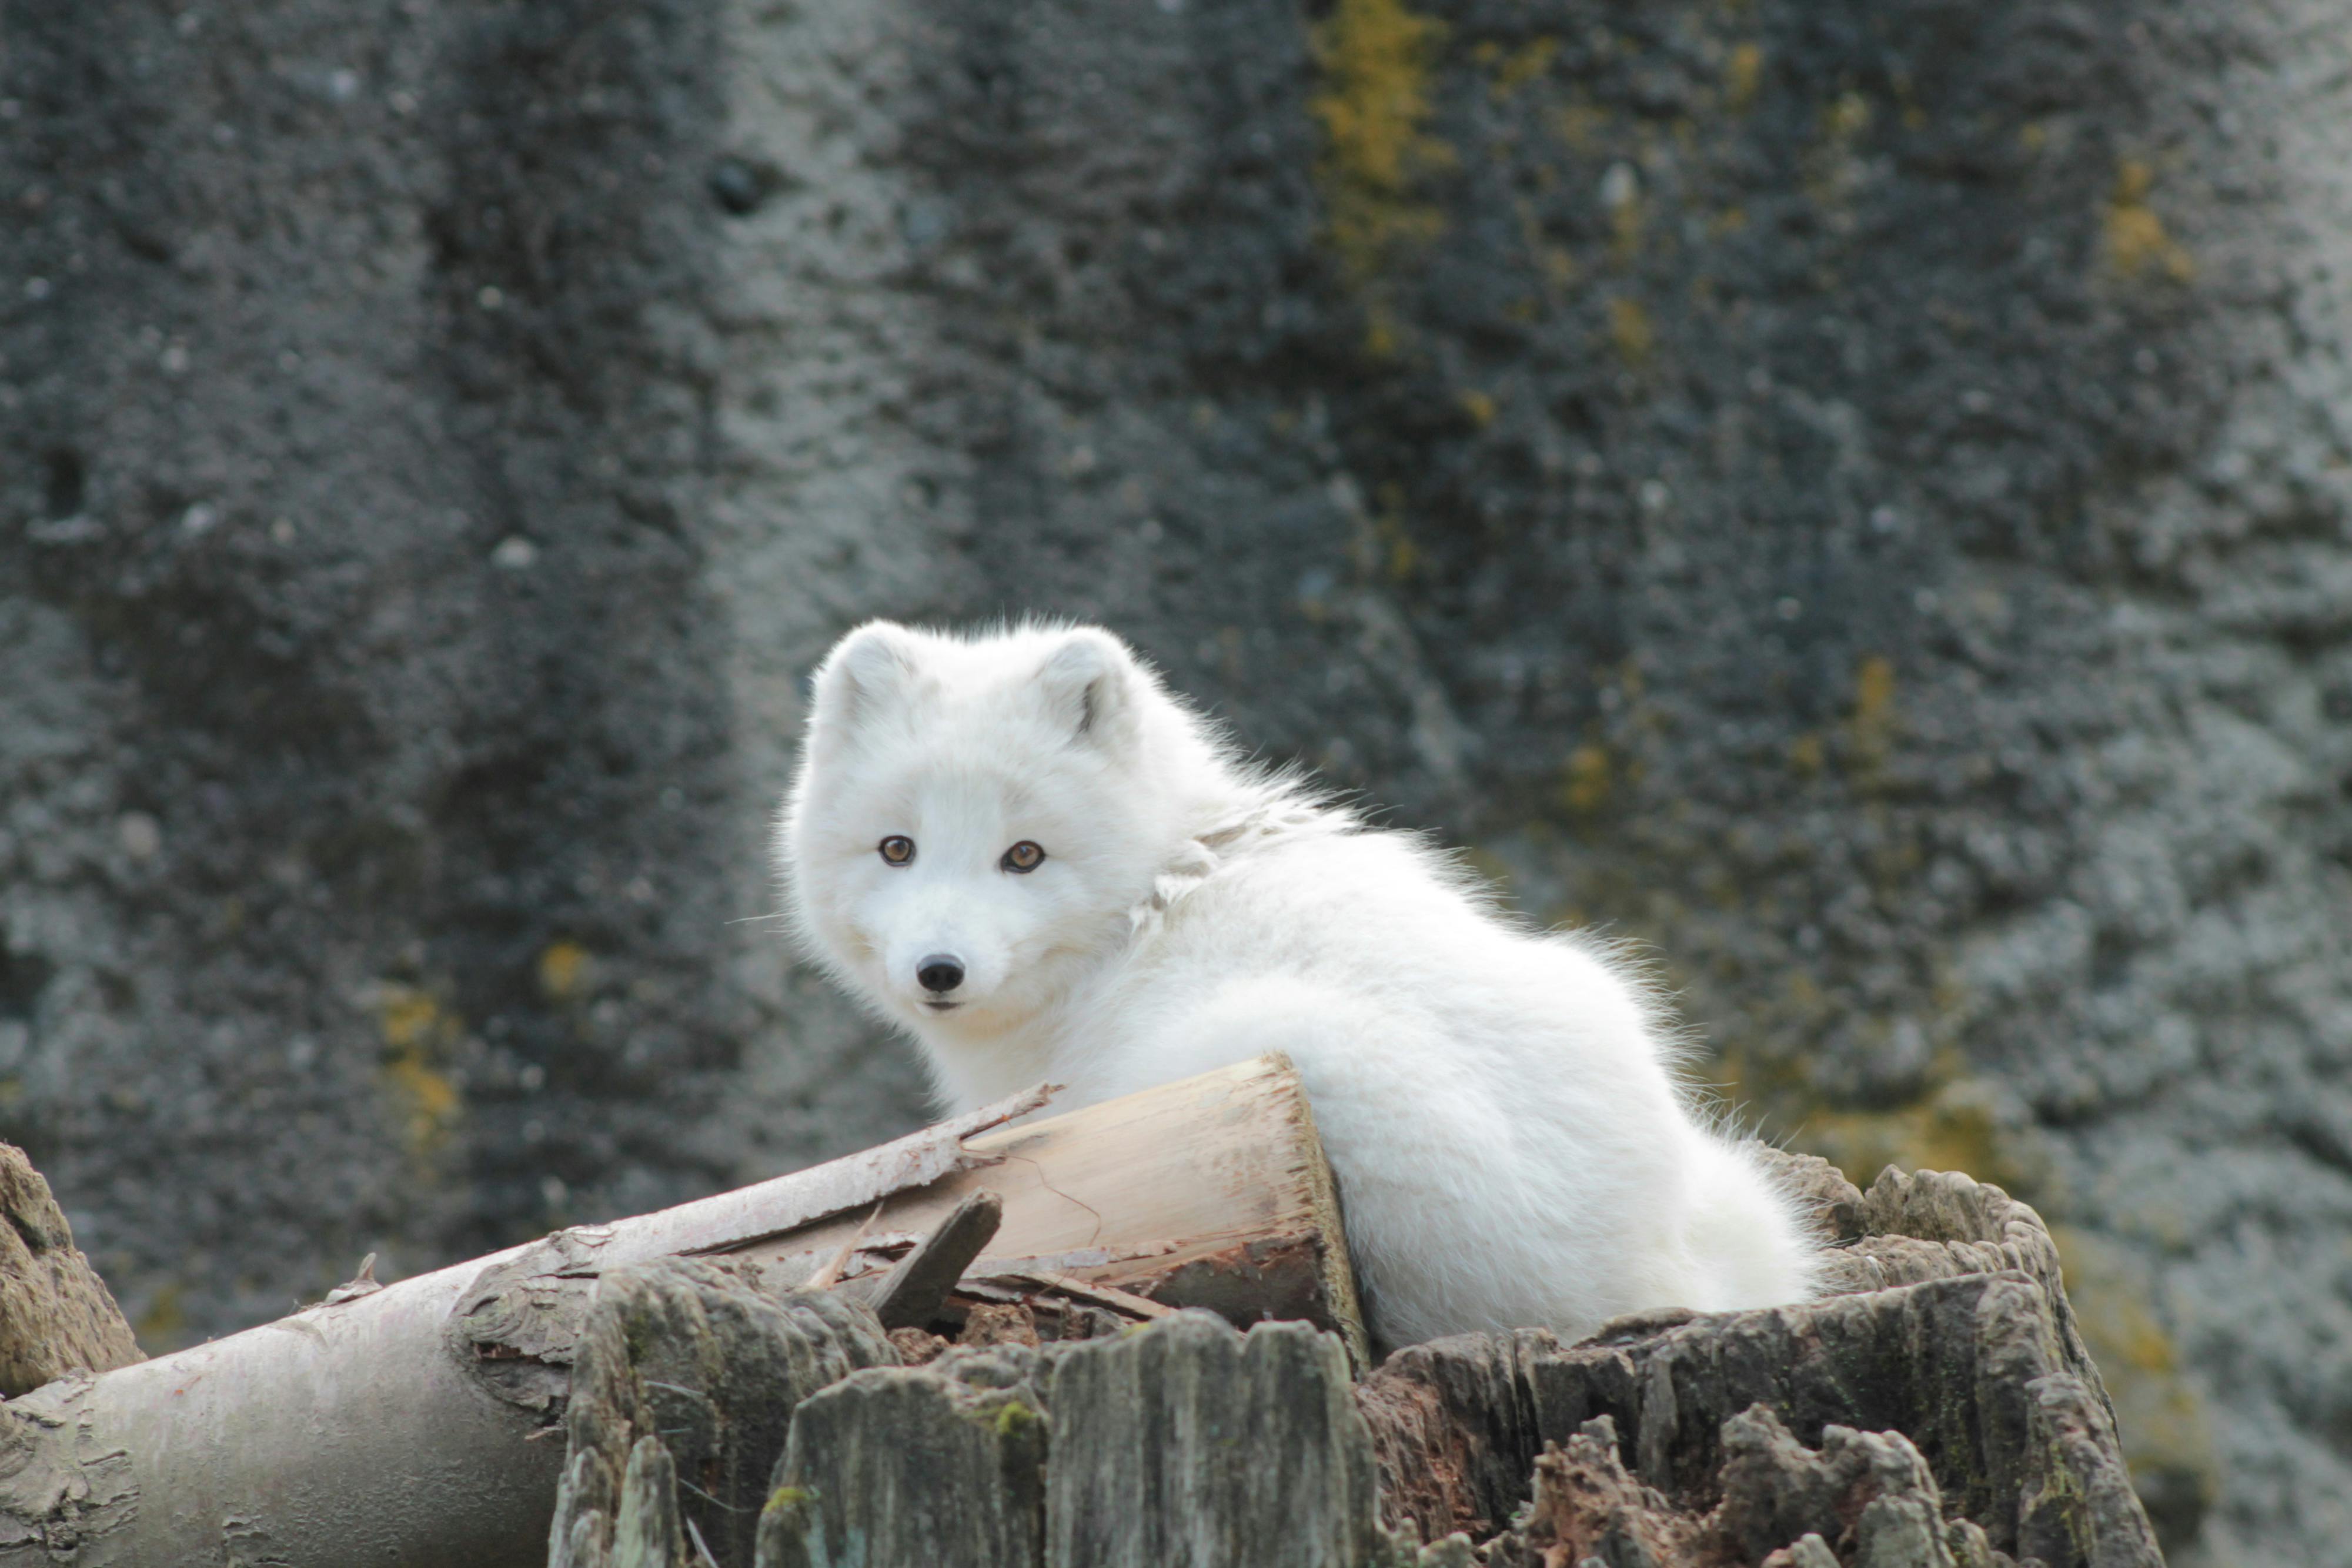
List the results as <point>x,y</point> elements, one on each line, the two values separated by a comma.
<point>412,1422</point>
<point>1211,1193</point>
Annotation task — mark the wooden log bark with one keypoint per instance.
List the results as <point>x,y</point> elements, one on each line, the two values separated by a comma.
<point>407,1424</point>
<point>55,1313</point>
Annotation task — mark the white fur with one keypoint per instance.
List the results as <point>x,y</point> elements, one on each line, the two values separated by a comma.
<point>1499,1106</point>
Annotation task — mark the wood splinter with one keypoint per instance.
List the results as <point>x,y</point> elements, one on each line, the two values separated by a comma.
<point>912,1294</point>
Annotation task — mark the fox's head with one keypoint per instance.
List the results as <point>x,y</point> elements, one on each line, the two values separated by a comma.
<point>974,819</point>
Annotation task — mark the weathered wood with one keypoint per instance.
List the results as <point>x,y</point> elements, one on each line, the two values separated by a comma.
<point>1189,1444</point>
<point>911,1295</point>
<point>1866,1497</point>
<point>1974,1363</point>
<point>1184,1444</point>
<point>391,1427</point>
<point>55,1313</point>
<point>1946,1423</point>
<point>939,1466</point>
<point>693,1368</point>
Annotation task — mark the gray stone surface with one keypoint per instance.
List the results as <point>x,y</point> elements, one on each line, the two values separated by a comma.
<point>1853,494</point>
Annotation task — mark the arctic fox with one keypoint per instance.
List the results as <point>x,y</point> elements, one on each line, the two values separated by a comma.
<point>1021,848</point>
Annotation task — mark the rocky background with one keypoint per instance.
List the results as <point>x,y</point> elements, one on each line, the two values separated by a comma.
<point>1854,493</point>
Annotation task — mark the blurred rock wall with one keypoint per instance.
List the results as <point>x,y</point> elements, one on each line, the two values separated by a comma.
<point>1855,495</point>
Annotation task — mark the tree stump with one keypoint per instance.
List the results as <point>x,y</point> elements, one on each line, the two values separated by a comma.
<point>55,1313</point>
<point>687,1377</point>
<point>1954,1333</point>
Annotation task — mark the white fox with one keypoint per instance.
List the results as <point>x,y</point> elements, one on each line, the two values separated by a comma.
<point>1022,849</point>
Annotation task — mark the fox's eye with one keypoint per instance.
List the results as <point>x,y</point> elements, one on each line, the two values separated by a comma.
<point>897,850</point>
<point>1024,856</point>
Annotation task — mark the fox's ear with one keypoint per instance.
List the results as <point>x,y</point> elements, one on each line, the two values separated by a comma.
<point>869,672</point>
<point>1090,681</point>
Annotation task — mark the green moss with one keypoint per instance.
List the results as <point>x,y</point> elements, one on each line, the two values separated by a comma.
<point>786,1497</point>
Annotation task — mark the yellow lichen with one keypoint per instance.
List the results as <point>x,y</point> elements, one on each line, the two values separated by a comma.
<point>1584,782</point>
<point>1480,407</point>
<point>1951,1128</point>
<point>1374,107</point>
<point>1390,547</point>
<point>1580,125</point>
<point>1847,117</point>
<point>1630,332</point>
<point>2160,1417</point>
<point>2137,241</point>
<point>1873,727</point>
<point>1743,74</point>
<point>166,1319</point>
<point>1805,755</point>
<point>410,1018</point>
<point>1375,56</point>
<point>1522,66</point>
<point>417,1032</point>
<point>563,970</point>
<point>1833,165</point>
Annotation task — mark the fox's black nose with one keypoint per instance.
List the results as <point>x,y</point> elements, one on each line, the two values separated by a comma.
<point>941,972</point>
